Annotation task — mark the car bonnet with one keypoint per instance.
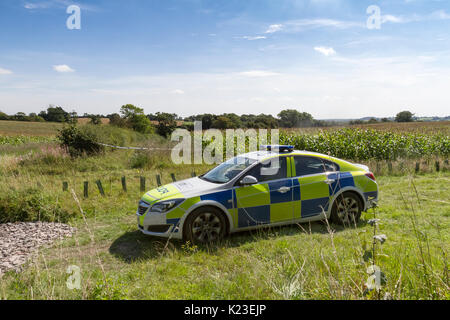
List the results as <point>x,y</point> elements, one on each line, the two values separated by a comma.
<point>181,189</point>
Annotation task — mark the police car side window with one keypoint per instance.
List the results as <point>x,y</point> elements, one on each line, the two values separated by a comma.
<point>269,170</point>
<point>308,165</point>
<point>330,166</point>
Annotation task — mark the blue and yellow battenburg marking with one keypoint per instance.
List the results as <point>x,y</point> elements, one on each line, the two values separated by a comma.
<point>302,197</point>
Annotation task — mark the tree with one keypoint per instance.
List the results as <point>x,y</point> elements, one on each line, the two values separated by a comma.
<point>404,116</point>
<point>95,119</point>
<point>21,116</point>
<point>129,110</point>
<point>223,122</point>
<point>55,114</point>
<point>166,123</point>
<point>3,116</point>
<point>136,118</point>
<point>293,119</point>
<point>116,120</point>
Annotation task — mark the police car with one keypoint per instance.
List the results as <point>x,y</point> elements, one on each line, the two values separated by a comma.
<point>271,187</point>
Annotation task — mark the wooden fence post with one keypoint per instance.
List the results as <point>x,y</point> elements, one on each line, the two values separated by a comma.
<point>158,180</point>
<point>100,187</point>
<point>86,189</point>
<point>142,179</point>
<point>124,183</point>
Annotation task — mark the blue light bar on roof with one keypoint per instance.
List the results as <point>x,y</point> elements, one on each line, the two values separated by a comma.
<point>278,148</point>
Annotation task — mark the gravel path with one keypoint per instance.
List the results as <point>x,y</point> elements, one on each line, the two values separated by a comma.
<point>18,241</point>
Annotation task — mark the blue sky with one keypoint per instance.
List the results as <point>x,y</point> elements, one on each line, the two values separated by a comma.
<point>216,56</point>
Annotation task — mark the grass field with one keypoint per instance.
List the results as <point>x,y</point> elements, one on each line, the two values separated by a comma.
<point>308,261</point>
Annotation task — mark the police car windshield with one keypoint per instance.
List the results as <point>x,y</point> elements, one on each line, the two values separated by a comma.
<point>228,170</point>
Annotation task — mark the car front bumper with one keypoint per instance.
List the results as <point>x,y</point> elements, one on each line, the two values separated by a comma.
<point>155,224</point>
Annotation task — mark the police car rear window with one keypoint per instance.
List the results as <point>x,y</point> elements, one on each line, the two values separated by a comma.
<point>312,165</point>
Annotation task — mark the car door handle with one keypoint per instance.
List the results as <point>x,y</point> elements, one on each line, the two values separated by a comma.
<point>330,181</point>
<point>284,189</point>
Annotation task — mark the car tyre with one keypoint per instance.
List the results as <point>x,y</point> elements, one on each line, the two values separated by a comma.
<point>205,225</point>
<point>346,209</point>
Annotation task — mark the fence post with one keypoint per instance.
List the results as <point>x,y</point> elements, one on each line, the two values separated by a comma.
<point>124,184</point>
<point>100,187</point>
<point>86,189</point>
<point>65,185</point>
<point>158,180</point>
<point>142,184</point>
<point>173,177</point>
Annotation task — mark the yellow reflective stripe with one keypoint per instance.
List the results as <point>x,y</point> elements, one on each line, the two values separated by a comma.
<point>289,167</point>
<point>293,170</point>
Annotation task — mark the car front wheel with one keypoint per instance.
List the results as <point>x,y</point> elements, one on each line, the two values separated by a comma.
<point>346,209</point>
<point>205,225</point>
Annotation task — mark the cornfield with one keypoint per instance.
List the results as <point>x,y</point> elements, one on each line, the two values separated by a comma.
<point>368,144</point>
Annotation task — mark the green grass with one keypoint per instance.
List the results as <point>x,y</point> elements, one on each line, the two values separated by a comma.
<point>294,262</point>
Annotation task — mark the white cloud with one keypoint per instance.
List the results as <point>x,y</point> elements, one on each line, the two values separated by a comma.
<point>63,68</point>
<point>251,38</point>
<point>327,51</point>
<point>5,71</point>
<point>436,15</point>
<point>258,73</point>
<point>393,19</point>
<point>274,28</point>
<point>49,4</point>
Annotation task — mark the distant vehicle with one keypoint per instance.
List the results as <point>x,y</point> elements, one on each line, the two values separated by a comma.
<point>276,186</point>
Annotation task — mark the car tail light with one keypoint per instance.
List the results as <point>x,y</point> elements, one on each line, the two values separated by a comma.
<point>370,176</point>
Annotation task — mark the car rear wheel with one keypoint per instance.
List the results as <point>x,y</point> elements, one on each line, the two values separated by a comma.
<point>205,225</point>
<point>346,209</point>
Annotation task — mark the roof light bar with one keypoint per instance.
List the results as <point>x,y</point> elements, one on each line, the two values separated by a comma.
<point>278,148</point>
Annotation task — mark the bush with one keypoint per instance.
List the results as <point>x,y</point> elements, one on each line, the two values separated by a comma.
<point>78,142</point>
<point>30,205</point>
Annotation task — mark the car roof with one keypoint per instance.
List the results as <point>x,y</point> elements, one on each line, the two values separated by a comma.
<point>263,154</point>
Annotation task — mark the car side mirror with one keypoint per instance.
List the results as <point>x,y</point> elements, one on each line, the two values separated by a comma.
<point>248,180</point>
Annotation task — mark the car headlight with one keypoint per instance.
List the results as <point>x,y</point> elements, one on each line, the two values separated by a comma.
<point>164,206</point>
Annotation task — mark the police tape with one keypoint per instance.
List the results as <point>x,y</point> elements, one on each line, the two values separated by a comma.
<point>130,148</point>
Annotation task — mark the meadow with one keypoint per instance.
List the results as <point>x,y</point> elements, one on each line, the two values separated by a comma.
<point>306,261</point>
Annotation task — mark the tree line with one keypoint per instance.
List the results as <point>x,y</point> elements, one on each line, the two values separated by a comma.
<point>133,117</point>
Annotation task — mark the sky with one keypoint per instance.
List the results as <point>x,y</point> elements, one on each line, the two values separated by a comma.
<point>221,56</point>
